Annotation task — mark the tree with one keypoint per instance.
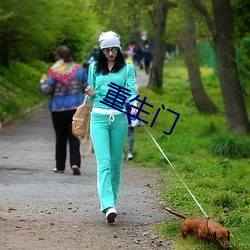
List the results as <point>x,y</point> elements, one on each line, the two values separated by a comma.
<point>201,99</point>
<point>126,18</point>
<point>223,38</point>
<point>159,44</point>
<point>28,33</point>
<point>242,33</point>
<point>241,17</point>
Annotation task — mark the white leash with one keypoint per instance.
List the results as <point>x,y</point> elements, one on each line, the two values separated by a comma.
<point>176,172</point>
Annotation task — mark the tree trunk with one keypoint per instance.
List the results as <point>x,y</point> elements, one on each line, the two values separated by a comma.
<point>201,99</point>
<point>223,38</point>
<point>235,109</point>
<point>159,46</point>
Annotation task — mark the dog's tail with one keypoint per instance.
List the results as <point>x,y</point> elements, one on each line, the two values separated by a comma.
<point>175,213</point>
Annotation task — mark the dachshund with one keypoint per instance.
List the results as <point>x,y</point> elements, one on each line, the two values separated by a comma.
<point>204,229</point>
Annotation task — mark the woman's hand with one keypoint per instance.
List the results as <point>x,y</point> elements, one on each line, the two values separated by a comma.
<point>43,79</point>
<point>90,91</point>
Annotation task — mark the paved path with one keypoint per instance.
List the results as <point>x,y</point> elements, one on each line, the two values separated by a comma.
<point>141,78</point>
<point>30,192</point>
<point>26,163</point>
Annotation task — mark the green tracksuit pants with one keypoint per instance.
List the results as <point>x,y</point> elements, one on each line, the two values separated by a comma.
<point>108,135</point>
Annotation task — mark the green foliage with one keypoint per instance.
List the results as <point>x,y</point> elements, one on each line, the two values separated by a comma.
<point>174,25</point>
<point>224,200</point>
<point>231,146</point>
<point>19,87</point>
<point>28,33</point>
<point>241,17</point>
<point>210,129</point>
<point>243,59</point>
<point>170,230</point>
<point>128,18</point>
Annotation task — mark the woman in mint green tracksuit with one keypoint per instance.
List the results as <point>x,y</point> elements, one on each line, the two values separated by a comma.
<point>109,126</point>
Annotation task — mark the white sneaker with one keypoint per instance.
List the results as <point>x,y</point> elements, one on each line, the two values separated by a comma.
<point>135,122</point>
<point>76,170</point>
<point>58,171</point>
<point>111,214</point>
<point>130,156</point>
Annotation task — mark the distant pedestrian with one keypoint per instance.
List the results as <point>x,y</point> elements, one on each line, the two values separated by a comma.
<point>131,131</point>
<point>93,55</point>
<point>130,127</point>
<point>109,126</point>
<point>65,84</point>
<point>147,54</point>
<point>138,55</point>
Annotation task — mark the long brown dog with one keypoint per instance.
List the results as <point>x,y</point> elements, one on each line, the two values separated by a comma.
<point>204,229</point>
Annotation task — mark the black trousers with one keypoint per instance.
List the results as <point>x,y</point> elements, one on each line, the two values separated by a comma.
<point>62,122</point>
<point>130,139</point>
<point>147,65</point>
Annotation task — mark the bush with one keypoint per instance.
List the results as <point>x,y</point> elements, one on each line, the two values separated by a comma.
<point>19,88</point>
<point>224,200</point>
<point>230,146</point>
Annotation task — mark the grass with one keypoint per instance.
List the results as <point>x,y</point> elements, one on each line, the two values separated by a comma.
<point>19,88</point>
<point>214,164</point>
<point>230,146</point>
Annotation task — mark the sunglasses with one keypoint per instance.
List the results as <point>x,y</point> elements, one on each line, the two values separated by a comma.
<point>106,51</point>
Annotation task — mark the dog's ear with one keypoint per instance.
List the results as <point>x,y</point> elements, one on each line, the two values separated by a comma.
<point>214,235</point>
<point>228,237</point>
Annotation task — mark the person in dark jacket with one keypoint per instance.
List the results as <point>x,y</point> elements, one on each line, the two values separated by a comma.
<point>147,54</point>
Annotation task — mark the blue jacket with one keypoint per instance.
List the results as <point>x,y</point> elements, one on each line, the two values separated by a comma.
<point>65,97</point>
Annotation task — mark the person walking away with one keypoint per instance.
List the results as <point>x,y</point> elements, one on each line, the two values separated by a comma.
<point>139,55</point>
<point>109,126</point>
<point>65,84</point>
<point>93,55</point>
<point>131,131</point>
<point>130,127</point>
<point>147,54</point>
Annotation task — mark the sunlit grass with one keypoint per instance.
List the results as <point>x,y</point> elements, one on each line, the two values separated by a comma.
<point>219,181</point>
